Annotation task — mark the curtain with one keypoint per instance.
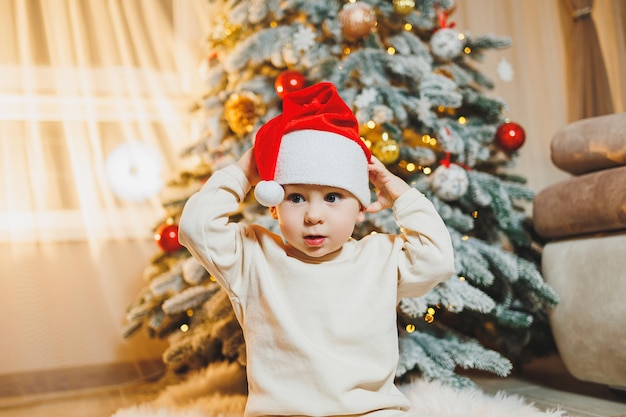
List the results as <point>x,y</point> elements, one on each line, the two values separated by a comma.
<point>94,112</point>
<point>589,90</point>
<point>94,99</point>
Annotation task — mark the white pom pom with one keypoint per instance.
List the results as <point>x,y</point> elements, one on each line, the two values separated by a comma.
<point>269,193</point>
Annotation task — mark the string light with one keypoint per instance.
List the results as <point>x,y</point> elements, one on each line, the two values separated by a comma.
<point>184,328</point>
<point>410,328</point>
<point>391,50</point>
<point>408,27</point>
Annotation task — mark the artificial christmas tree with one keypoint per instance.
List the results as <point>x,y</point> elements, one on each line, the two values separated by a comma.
<point>423,110</point>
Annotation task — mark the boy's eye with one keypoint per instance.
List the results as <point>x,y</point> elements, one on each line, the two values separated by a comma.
<point>333,197</point>
<point>295,198</point>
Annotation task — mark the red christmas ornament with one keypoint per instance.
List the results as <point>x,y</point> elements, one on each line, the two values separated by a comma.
<point>510,136</point>
<point>289,81</point>
<point>166,236</point>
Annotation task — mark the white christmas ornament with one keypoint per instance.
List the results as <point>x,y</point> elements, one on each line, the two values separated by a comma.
<point>133,170</point>
<point>505,70</point>
<point>446,44</point>
<point>449,183</point>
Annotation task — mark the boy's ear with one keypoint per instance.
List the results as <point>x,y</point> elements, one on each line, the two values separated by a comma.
<point>274,213</point>
<point>361,216</point>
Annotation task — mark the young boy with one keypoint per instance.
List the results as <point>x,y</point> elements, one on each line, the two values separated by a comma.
<point>318,308</point>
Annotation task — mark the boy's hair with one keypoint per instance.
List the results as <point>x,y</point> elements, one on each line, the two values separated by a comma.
<point>314,141</point>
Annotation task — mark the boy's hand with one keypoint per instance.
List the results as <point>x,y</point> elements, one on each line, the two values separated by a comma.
<point>389,186</point>
<point>247,164</point>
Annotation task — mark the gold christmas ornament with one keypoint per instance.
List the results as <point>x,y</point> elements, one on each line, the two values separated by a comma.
<point>357,20</point>
<point>386,150</point>
<point>403,7</point>
<point>242,110</point>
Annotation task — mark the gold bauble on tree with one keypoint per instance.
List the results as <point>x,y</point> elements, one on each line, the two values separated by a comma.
<point>242,110</point>
<point>386,150</point>
<point>403,7</point>
<point>357,20</point>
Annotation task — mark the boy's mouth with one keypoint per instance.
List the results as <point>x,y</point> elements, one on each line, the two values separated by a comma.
<point>314,240</point>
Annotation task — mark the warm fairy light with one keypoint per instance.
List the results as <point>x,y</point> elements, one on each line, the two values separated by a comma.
<point>427,170</point>
<point>347,51</point>
<point>189,312</point>
<point>408,26</point>
<point>391,50</point>
<point>431,310</point>
<point>429,318</point>
<point>462,36</point>
<point>410,167</point>
<point>371,124</point>
<point>273,24</point>
<point>385,136</point>
<point>467,50</point>
<point>461,278</point>
<point>475,214</point>
<point>410,328</point>
<point>184,328</point>
<point>462,120</point>
<point>212,278</point>
<point>429,140</point>
<point>465,237</point>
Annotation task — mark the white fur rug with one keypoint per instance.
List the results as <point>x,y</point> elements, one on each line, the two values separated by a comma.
<point>217,391</point>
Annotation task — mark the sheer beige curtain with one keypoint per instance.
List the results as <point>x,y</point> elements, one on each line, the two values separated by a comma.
<point>93,112</point>
<point>94,99</point>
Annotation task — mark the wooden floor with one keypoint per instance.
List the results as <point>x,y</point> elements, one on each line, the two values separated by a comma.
<point>548,384</point>
<point>545,382</point>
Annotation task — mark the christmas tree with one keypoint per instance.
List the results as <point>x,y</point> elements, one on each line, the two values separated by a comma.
<point>412,81</point>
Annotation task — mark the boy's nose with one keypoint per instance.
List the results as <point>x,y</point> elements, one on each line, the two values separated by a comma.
<point>314,214</point>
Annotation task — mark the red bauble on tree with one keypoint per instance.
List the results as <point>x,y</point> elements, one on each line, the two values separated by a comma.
<point>510,136</point>
<point>289,81</point>
<point>166,236</point>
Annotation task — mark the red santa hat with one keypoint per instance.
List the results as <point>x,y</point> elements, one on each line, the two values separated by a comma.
<point>314,141</point>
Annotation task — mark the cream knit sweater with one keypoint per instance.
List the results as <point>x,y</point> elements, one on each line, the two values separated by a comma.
<point>320,333</point>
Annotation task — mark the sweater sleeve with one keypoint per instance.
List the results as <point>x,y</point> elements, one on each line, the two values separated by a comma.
<point>205,230</point>
<point>427,256</point>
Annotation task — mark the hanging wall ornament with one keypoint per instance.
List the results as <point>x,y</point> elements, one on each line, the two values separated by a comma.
<point>357,20</point>
<point>449,181</point>
<point>510,136</point>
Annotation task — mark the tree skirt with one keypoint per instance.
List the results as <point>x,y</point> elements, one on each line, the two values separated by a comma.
<point>219,390</point>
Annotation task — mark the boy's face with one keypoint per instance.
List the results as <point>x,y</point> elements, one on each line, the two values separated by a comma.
<point>317,219</point>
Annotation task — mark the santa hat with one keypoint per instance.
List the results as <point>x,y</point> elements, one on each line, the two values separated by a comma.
<point>314,141</point>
